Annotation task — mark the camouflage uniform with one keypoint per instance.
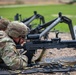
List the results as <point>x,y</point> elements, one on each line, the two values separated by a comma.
<point>8,51</point>
<point>3,26</point>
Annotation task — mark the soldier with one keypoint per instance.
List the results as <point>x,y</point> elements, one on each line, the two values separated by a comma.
<point>3,24</point>
<point>15,34</point>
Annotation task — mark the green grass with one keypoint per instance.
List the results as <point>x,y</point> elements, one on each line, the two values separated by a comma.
<point>46,10</point>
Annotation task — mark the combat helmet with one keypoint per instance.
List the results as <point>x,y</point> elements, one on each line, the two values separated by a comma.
<point>17,29</point>
<point>4,23</point>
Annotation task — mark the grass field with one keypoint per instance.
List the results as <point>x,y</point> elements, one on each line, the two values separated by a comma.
<point>50,12</point>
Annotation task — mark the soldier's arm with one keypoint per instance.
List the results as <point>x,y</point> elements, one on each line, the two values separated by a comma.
<point>10,55</point>
<point>13,59</point>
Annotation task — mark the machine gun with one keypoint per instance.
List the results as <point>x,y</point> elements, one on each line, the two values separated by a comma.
<point>43,30</point>
<point>53,65</point>
<point>46,27</point>
<point>27,21</point>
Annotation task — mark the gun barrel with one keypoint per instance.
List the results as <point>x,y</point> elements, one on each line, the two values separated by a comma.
<point>29,21</point>
<point>50,27</point>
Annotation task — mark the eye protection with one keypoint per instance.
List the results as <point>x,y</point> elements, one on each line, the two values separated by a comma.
<point>22,37</point>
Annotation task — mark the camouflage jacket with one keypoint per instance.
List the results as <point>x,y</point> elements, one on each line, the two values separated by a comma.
<point>9,53</point>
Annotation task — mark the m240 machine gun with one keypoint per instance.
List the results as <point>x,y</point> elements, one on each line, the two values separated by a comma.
<point>27,21</point>
<point>43,30</point>
<point>50,65</point>
<point>46,27</point>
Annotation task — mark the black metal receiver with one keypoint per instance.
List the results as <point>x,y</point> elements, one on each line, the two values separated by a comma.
<point>53,43</point>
